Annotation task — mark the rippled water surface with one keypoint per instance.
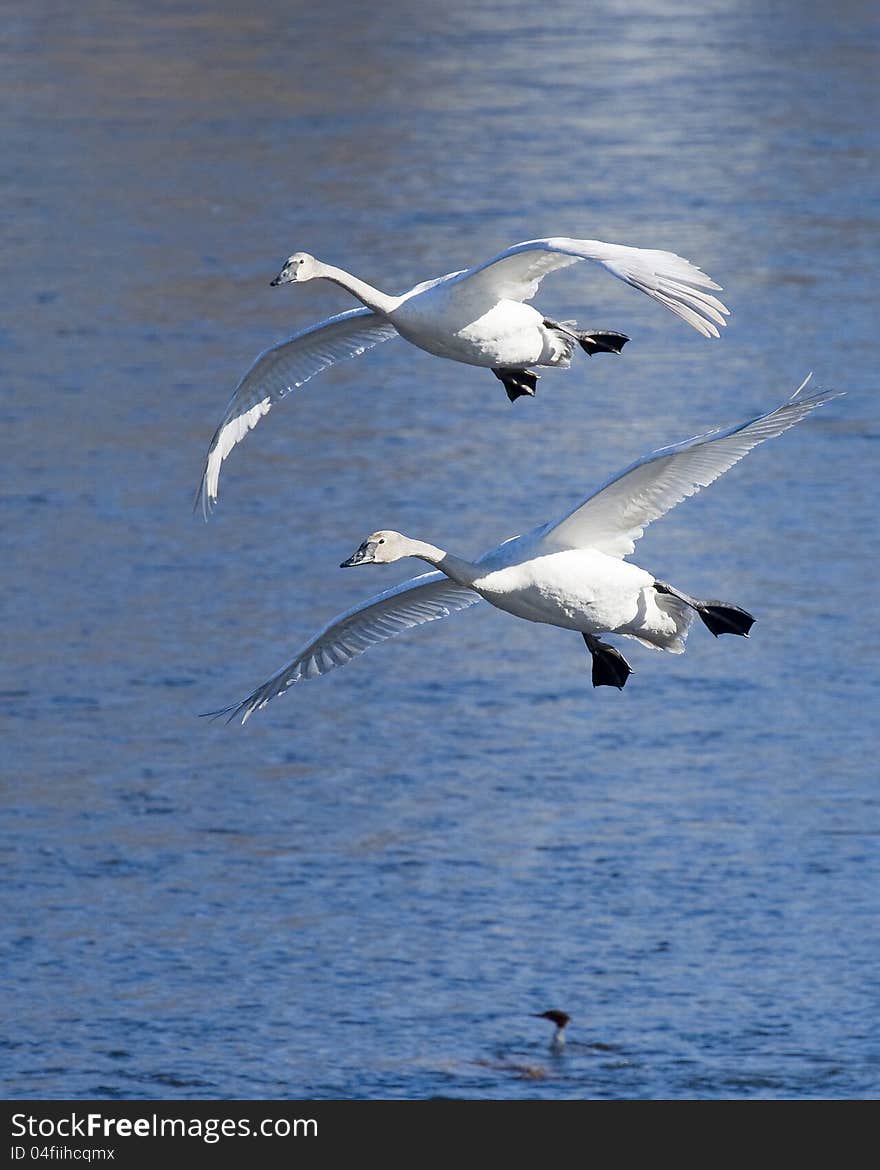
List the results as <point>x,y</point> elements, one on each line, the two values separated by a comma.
<point>367,890</point>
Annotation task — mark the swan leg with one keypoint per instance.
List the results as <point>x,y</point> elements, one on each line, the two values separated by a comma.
<point>590,340</point>
<point>717,616</point>
<point>517,383</point>
<point>610,668</point>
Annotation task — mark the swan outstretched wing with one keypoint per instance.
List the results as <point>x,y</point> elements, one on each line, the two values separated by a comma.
<point>281,369</point>
<point>613,518</point>
<point>412,603</point>
<point>676,283</point>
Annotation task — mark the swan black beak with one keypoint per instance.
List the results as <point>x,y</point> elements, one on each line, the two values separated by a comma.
<point>285,276</point>
<point>365,555</point>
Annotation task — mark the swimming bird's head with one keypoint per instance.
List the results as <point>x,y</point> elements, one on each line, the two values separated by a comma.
<point>379,549</point>
<point>297,268</point>
<point>560,1019</point>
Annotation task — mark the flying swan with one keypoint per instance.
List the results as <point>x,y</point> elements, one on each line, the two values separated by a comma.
<point>476,316</point>
<point>569,573</point>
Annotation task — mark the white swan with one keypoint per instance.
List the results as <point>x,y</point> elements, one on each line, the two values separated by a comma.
<point>568,573</point>
<point>475,316</point>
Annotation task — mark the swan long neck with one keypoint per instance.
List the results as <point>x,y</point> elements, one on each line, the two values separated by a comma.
<point>373,298</point>
<point>456,569</point>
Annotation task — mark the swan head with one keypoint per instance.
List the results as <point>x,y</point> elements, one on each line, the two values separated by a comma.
<point>298,268</point>
<point>380,549</point>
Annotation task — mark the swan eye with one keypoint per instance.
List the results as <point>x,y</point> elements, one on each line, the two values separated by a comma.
<point>381,540</point>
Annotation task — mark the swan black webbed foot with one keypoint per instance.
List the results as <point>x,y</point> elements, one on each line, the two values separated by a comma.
<point>601,341</point>
<point>610,668</point>
<point>717,616</point>
<point>590,340</point>
<point>517,383</point>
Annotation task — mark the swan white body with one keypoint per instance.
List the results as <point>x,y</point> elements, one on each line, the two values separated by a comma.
<point>569,573</point>
<point>579,589</point>
<point>476,316</point>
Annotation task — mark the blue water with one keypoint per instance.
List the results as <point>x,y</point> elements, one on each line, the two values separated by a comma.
<point>367,890</point>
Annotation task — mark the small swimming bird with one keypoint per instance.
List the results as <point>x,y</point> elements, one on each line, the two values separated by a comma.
<point>476,316</point>
<point>569,573</point>
<point>561,1020</point>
